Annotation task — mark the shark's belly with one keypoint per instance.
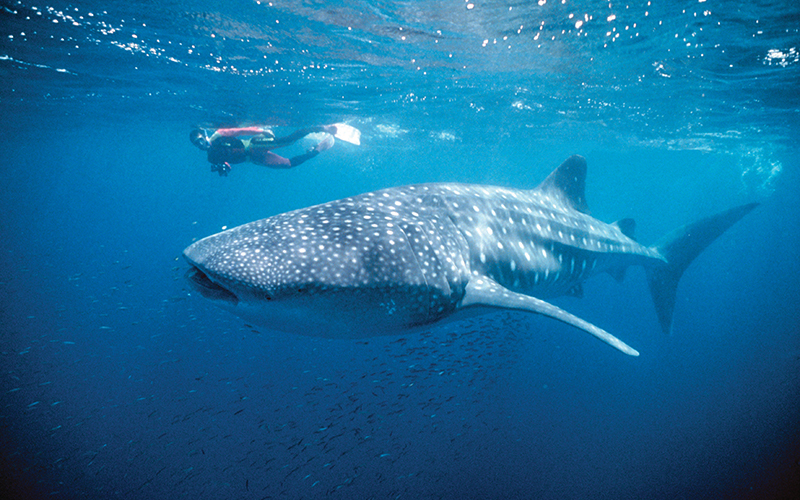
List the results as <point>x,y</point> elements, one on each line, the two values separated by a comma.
<point>357,312</point>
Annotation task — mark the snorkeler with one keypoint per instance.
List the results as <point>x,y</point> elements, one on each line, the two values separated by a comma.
<point>225,148</point>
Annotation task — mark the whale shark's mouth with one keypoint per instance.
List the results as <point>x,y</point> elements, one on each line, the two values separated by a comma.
<point>207,288</point>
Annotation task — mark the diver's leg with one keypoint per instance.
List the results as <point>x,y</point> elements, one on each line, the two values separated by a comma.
<point>269,159</point>
<point>296,136</point>
<point>324,144</point>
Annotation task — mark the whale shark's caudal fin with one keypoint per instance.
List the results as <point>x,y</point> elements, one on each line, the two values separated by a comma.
<point>680,248</point>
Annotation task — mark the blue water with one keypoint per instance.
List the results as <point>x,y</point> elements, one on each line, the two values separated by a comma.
<point>117,382</point>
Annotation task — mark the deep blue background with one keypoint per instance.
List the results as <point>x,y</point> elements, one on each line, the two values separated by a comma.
<point>118,383</point>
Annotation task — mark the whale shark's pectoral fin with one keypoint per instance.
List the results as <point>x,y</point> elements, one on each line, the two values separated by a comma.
<point>484,291</point>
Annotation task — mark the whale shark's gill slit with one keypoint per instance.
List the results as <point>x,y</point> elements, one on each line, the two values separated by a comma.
<point>208,288</point>
<point>413,252</point>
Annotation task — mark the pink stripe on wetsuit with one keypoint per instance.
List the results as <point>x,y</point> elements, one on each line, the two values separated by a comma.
<point>235,132</point>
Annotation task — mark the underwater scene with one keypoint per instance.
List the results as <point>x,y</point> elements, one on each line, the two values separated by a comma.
<point>420,249</point>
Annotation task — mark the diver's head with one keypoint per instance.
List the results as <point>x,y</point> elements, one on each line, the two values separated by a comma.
<point>199,139</point>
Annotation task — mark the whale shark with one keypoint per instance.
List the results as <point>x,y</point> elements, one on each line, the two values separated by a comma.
<point>402,259</point>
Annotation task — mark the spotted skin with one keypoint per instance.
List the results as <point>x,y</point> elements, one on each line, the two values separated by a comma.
<point>402,258</point>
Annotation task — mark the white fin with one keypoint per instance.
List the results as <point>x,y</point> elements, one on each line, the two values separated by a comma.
<point>348,134</point>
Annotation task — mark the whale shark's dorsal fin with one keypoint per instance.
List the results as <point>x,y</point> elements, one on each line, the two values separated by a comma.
<point>568,183</point>
<point>627,227</point>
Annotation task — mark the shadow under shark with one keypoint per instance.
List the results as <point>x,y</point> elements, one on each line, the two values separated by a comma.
<point>403,258</point>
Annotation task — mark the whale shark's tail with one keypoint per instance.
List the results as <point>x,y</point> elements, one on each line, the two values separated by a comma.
<point>680,248</point>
